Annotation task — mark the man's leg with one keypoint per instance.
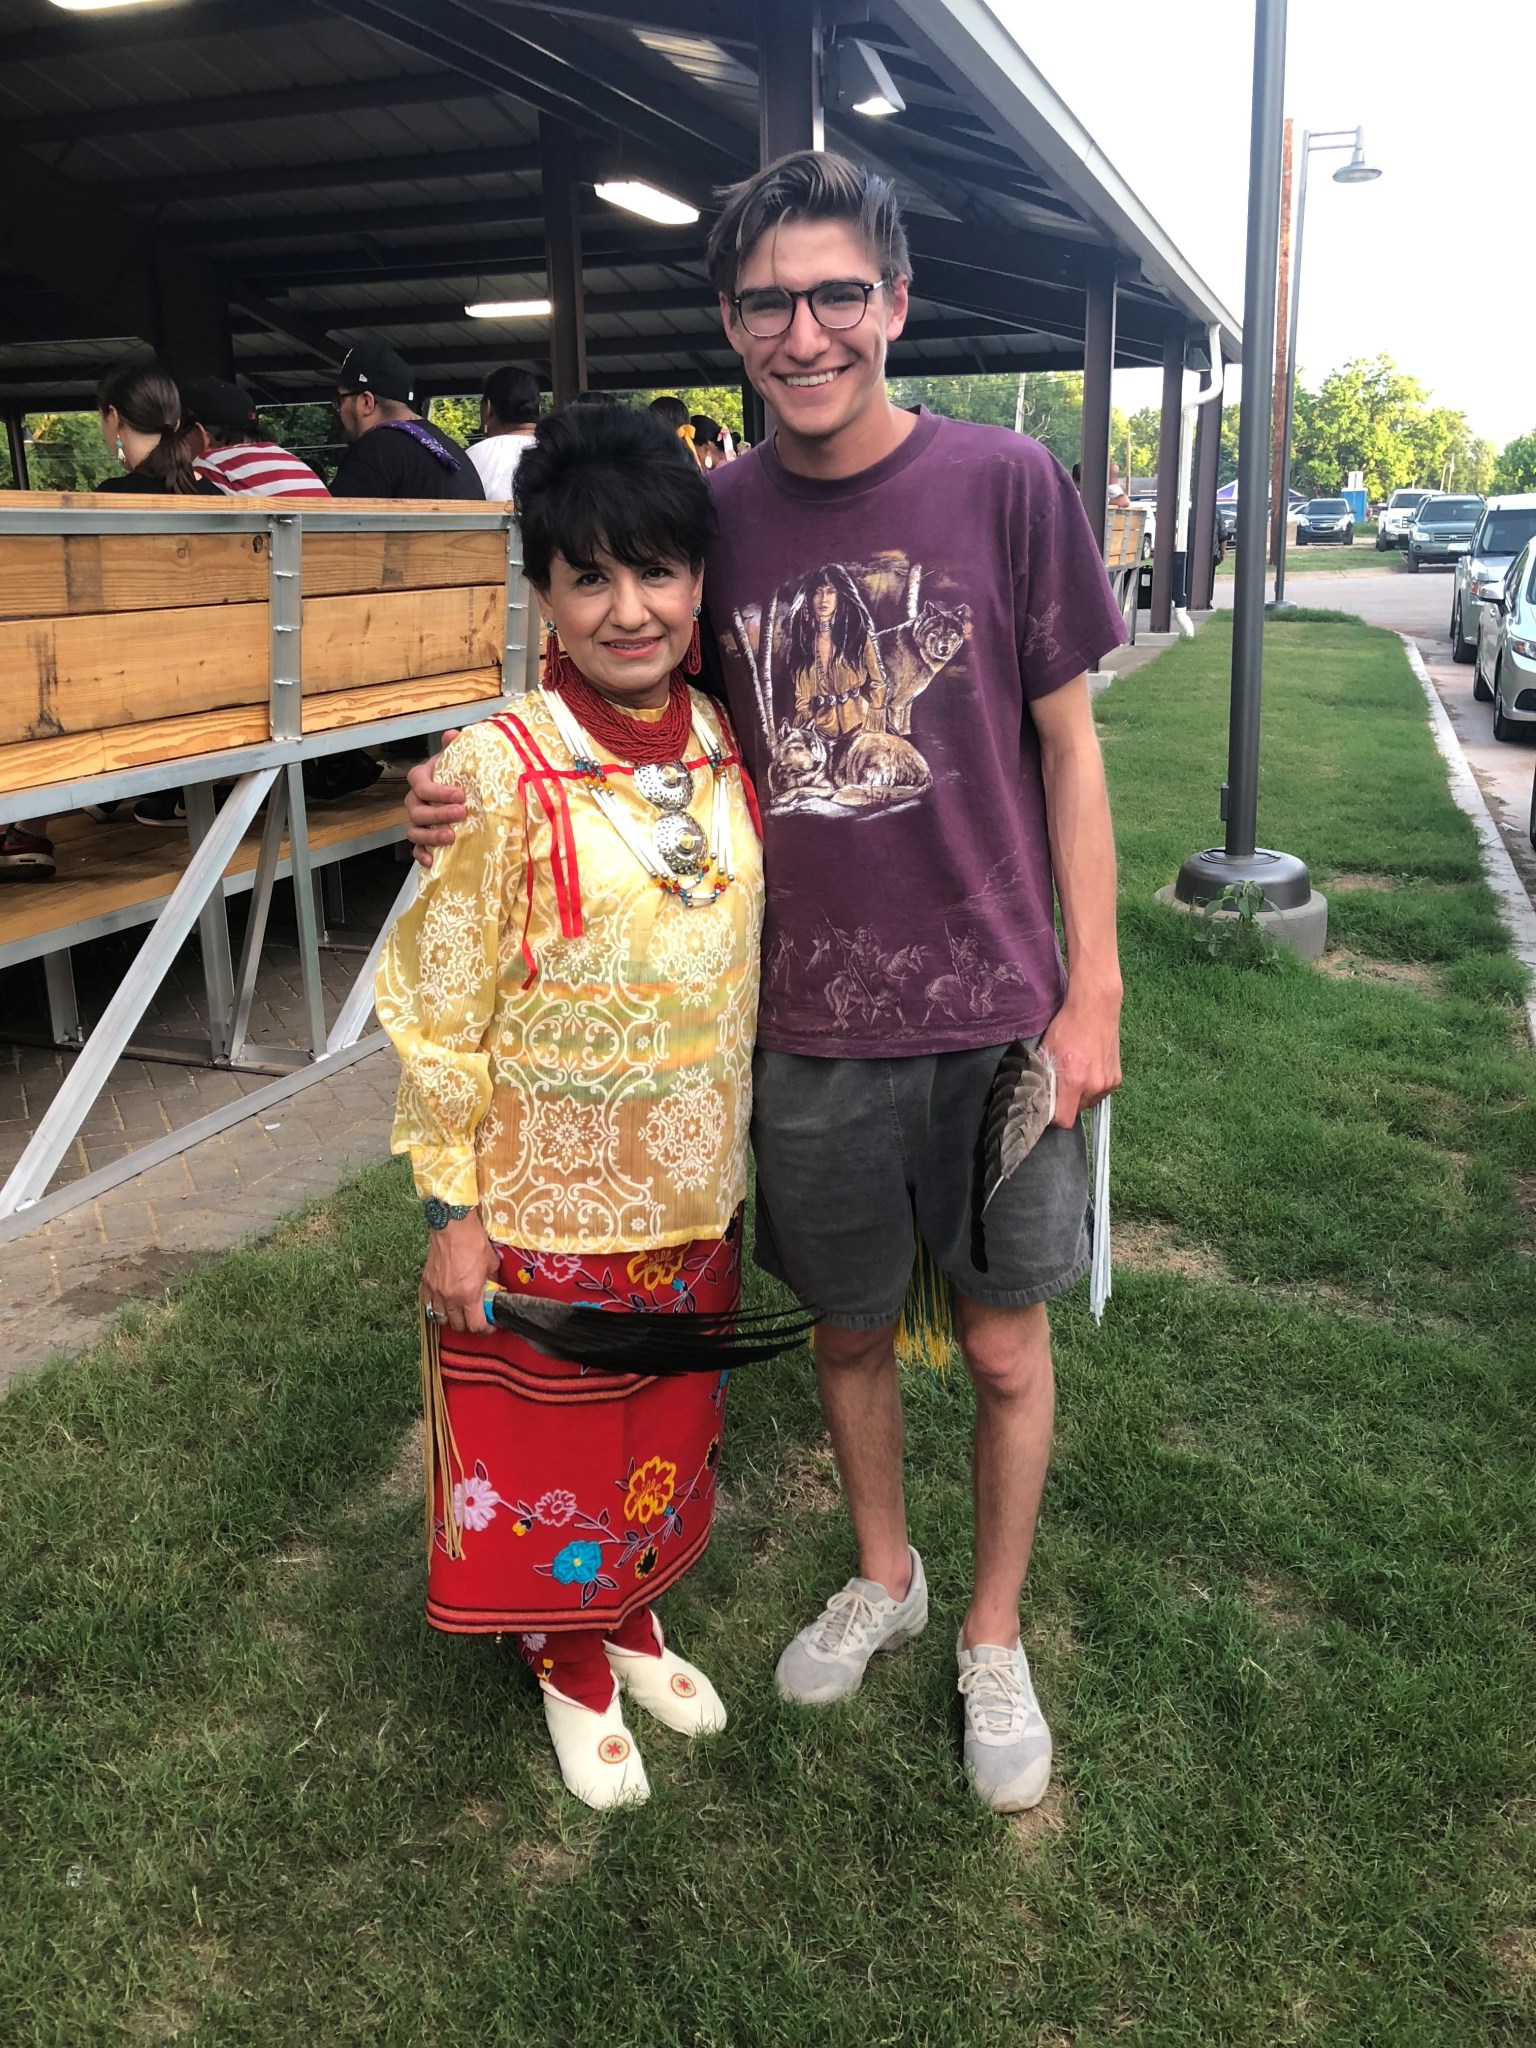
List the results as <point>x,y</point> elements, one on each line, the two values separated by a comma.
<point>1008,1355</point>
<point>861,1399</point>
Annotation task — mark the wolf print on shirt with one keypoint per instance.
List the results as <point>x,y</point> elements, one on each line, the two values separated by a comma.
<point>837,663</point>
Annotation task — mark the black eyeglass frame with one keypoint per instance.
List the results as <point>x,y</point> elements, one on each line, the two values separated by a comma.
<point>809,296</point>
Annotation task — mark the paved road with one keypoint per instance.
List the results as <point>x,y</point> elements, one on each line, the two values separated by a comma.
<point>1421,607</point>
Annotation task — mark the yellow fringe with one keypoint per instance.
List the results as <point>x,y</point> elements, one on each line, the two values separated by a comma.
<point>445,1468</point>
<point>926,1333</point>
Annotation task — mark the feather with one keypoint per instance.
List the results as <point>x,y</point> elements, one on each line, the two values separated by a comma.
<point>646,1343</point>
<point>1020,1106</point>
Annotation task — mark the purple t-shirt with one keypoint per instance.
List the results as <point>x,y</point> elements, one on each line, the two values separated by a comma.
<point>882,637</point>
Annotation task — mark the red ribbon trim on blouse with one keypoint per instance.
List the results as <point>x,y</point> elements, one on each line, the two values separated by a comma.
<point>545,781</point>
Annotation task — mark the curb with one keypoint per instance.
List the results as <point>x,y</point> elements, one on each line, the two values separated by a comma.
<point>1515,905</point>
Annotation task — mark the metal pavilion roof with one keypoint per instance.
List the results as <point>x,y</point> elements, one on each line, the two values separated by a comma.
<point>352,166</point>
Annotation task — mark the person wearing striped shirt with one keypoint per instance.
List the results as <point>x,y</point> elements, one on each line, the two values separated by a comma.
<point>238,454</point>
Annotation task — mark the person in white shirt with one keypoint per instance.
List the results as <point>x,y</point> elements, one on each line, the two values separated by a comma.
<point>509,412</point>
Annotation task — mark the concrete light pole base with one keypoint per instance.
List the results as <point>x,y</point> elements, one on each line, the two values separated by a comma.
<point>1302,928</point>
<point>1297,917</point>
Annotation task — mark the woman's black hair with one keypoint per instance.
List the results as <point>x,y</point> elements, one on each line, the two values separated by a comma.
<point>705,430</point>
<point>853,630</point>
<point>672,410</point>
<point>602,479</point>
<point>147,400</point>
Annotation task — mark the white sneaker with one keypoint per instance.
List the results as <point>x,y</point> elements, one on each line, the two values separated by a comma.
<point>827,1660</point>
<point>1007,1744</point>
<point>676,1692</point>
<point>597,1755</point>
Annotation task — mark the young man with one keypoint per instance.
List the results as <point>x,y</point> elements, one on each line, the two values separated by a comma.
<point>509,412</point>
<point>395,453</point>
<point>238,454</point>
<point>905,608</point>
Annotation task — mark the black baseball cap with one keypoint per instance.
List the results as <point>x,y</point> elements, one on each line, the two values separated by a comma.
<point>373,367</point>
<point>213,402</point>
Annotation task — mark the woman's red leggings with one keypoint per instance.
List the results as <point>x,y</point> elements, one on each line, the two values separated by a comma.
<point>570,1661</point>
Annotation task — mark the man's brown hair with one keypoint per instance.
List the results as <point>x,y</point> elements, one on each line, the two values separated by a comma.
<point>810,185</point>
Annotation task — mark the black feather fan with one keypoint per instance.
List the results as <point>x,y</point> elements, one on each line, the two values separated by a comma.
<point>646,1343</point>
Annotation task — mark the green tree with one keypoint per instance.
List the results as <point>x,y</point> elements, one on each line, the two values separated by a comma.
<point>1515,469</point>
<point>1374,417</point>
<point>1049,405</point>
<point>67,451</point>
<point>1226,458</point>
<point>720,402</point>
<point>312,432</point>
<point>459,417</point>
<point>1137,448</point>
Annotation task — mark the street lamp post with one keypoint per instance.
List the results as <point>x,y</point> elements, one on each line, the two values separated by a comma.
<point>1356,172</point>
<point>1293,913</point>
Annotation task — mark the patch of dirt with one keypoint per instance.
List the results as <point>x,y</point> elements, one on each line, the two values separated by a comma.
<point>1349,884</point>
<point>1032,1832</point>
<point>163,2022</point>
<point>536,1864</point>
<point>1279,1606</point>
<point>404,1480</point>
<point>1515,1954</point>
<point>115,1281</point>
<point>1343,965</point>
<point>808,1484</point>
<point>1155,1247</point>
<point>479,1817</point>
<point>1525,1192</point>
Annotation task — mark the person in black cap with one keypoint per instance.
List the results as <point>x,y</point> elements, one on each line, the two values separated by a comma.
<point>238,454</point>
<point>395,453</point>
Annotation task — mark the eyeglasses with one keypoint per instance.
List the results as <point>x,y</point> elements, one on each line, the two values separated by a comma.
<point>837,305</point>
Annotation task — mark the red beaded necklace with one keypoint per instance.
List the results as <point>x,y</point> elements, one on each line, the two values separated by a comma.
<point>640,742</point>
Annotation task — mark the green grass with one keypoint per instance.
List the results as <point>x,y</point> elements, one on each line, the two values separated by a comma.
<point>1281,1613</point>
<point>1362,556</point>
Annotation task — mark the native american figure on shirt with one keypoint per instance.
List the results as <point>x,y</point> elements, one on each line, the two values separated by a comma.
<point>835,688</point>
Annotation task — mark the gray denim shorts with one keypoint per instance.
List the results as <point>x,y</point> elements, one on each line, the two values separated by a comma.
<point>851,1152</point>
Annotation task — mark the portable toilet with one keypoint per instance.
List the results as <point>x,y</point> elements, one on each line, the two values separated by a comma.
<point>1354,496</point>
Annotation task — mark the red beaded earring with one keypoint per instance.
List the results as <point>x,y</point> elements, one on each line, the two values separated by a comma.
<point>693,660</point>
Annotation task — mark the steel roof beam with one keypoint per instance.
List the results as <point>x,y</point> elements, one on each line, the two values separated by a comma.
<point>385,265</point>
<point>290,102</point>
<point>463,40</point>
<point>511,212</point>
<point>319,177</point>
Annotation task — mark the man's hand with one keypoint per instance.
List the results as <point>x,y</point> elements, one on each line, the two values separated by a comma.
<point>1083,1039</point>
<point>432,808</point>
<point>459,1262</point>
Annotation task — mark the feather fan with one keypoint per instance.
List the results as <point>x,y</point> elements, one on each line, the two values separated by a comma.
<point>646,1343</point>
<point>1020,1106</point>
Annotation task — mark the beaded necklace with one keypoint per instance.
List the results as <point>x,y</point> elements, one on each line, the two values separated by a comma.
<point>678,856</point>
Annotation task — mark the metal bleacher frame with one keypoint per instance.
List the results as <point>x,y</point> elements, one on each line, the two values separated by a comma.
<point>269,771</point>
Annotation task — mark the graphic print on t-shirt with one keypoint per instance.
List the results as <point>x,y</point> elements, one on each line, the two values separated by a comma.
<point>838,661</point>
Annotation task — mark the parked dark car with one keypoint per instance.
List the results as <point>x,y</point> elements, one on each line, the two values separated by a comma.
<point>1325,519</point>
<point>1442,530</point>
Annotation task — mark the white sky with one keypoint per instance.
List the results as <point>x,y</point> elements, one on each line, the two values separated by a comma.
<point>1430,264</point>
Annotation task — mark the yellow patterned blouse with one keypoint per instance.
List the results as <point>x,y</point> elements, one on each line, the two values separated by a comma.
<point>575,1043</point>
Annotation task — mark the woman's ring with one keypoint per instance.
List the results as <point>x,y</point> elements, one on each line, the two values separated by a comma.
<point>431,1313</point>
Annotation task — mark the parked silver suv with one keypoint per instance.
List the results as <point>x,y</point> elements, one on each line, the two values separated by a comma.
<point>1505,527</point>
<point>1392,527</point>
<point>1442,529</point>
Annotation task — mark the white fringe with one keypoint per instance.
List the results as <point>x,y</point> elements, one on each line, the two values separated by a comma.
<point>1099,1283</point>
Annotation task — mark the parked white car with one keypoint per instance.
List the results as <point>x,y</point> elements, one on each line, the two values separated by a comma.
<point>1505,672</point>
<point>1392,527</point>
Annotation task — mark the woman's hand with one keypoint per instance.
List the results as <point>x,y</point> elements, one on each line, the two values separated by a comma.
<point>459,1262</point>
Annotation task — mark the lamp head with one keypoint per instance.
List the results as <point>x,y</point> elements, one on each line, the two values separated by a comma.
<point>1357,171</point>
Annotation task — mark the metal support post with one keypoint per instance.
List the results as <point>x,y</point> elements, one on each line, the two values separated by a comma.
<point>789,104</point>
<point>1204,876</point>
<point>304,909</point>
<point>1288,426</point>
<point>1202,517</point>
<point>559,172</point>
<point>63,1010</point>
<point>519,657</point>
<point>57,1129</point>
<point>213,930</point>
<point>16,444</point>
<point>358,1007</point>
<point>256,919</point>
<point>1098,366</point>
<point>1279,492</point>
<point>285,612</point>
<point>1170,426</point>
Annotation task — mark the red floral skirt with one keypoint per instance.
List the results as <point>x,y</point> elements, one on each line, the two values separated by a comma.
<point>580,1495</point>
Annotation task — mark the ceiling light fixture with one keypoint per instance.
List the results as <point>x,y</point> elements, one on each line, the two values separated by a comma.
<point>635,196</point>
<point>510,309</point>
<point>96,6</point>
<point>859,83</point>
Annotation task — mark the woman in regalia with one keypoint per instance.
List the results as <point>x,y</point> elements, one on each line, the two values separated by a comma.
<point>572,996</point>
